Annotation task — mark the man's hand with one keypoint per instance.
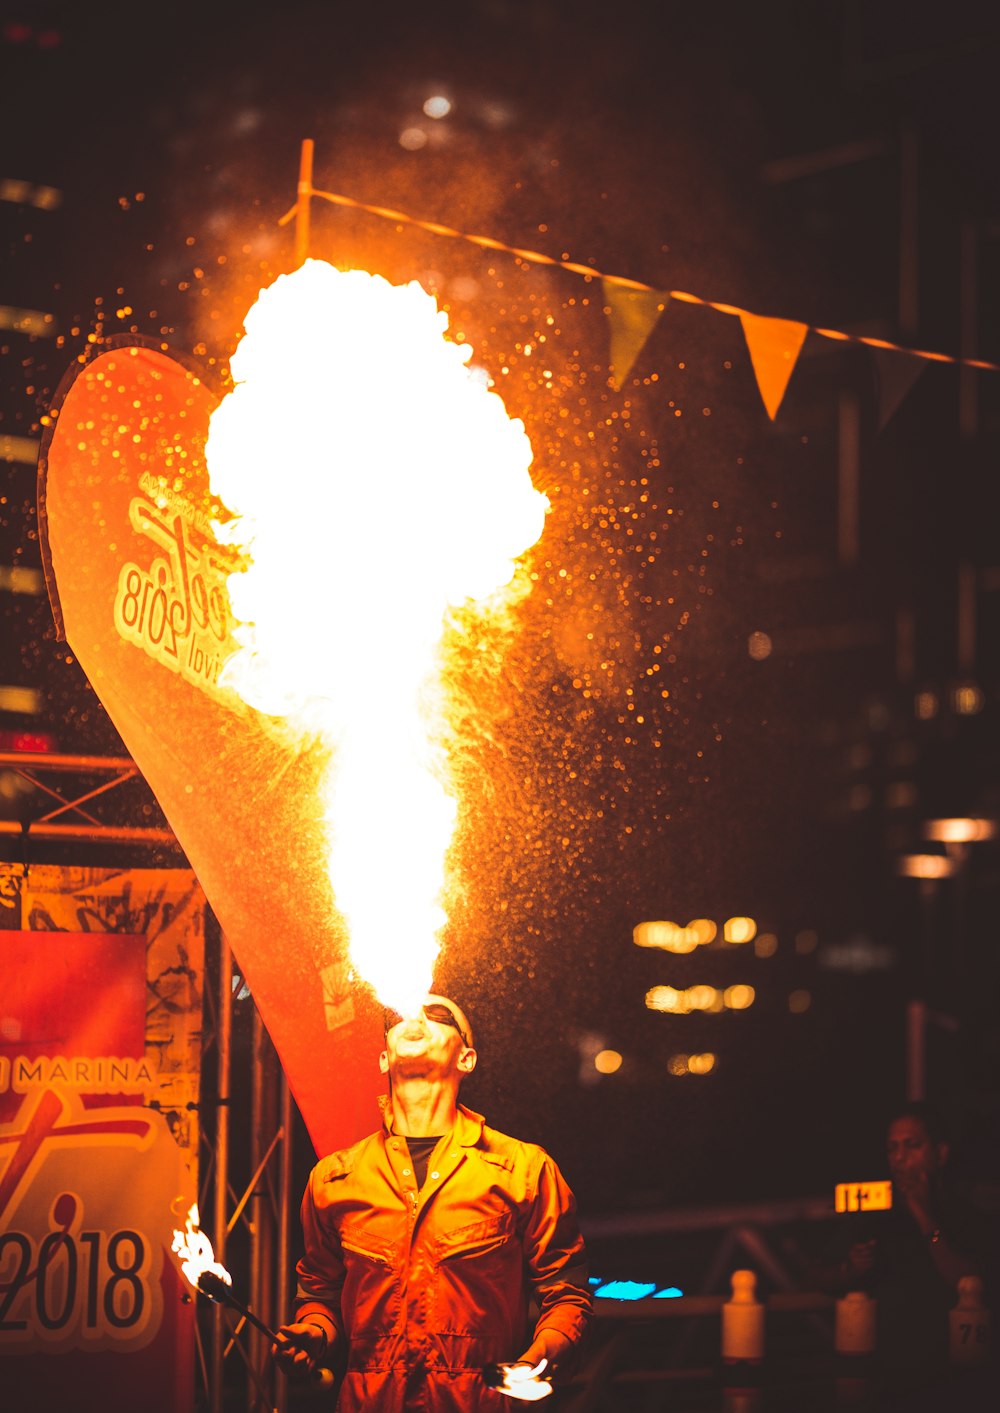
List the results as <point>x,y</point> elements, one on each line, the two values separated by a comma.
<point>299,1347</point>
<point>915,1188</point>
<point>520,1380</point>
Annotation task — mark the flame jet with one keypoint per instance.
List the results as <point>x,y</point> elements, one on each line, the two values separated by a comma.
<point>377,485</point>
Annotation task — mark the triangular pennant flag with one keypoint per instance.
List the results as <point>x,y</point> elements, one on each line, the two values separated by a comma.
<point>632,316</point>
<point>895,374</point>
<point>774,346</point>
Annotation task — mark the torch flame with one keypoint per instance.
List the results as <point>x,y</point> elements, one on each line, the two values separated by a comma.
<point>377,486</point>
<point>195,1251</point>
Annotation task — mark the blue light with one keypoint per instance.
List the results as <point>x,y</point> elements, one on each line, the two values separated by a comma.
<point>632,1290</point>
<point>625,1290</point>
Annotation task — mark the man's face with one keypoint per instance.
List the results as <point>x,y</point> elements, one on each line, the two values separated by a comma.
<point>427,1046</point>
<point>911,1151</point>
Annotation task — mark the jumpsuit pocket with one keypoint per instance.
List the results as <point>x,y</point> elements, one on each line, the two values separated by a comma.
<point>478,1283</point>
<point>370,1300</point>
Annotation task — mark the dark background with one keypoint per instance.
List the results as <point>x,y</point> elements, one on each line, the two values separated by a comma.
<point>831,163</point>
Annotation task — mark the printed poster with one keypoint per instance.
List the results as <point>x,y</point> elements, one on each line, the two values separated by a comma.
<point>100,1043</point>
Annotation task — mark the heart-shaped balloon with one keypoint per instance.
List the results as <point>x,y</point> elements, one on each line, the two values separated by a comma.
<point>137,582</point>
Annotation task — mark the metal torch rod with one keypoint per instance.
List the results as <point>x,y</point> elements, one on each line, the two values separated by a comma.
<point>220,1292</point>
<point>226,1294</point>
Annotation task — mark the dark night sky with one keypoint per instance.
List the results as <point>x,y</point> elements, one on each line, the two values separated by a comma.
<point>639,139</point>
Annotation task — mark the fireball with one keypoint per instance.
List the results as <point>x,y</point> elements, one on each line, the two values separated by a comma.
<point>377,487</point>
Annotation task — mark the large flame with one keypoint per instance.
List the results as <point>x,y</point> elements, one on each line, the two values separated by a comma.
<point>377,485</point>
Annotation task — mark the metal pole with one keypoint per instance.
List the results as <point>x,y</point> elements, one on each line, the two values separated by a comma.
<point>916,1042</point>
<point>255,1350</point>
<point>968,386</point>
<point>261,1214</point>
<point>221,1159</point>
<point>906,646</point>
<point>909,215</point>
<point>302,207</point>
<point>284,1225</point>
<point>966,635</point>
<point>849,476</point>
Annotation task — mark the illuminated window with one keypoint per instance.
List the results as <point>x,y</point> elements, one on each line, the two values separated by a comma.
<point>701,1064</point>
<point>759,646</point>
<point>739,997</point>
<point>412,139</point>
<point>27,321</point>
<point>765,944</point>
<point>739,929</point>
<point>678,1064</point>
<point>703,998</point>
<point>46,198</point>
<point>925,866</point>
<point>656,934</point>
<point>27,701</point>
<point>21,449</point>
<point>925,706</point>
<point>702,930</point>
<point>967,699</point>
<point>960,831</point>
<point>22,579</point>
<point>665,998</point>
<point>607,1062</point>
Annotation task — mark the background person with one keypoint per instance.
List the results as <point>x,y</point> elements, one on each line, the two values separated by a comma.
<point>911,1257</point>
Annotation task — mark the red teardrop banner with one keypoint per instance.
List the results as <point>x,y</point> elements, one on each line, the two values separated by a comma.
<point>137,582</point>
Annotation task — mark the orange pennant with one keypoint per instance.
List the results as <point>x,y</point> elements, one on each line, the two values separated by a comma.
<point>632,317</point>
<point>774,346</point>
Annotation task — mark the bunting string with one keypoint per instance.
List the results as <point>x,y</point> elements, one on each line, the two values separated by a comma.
<point>535,257</point>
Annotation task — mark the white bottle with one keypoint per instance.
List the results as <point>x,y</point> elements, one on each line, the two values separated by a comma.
<point>854,1325</point>
<point>969,1325</point>
<point>743,1321</point>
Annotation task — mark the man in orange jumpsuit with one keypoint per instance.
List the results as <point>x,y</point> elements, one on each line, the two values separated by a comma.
<point>437,1249</point>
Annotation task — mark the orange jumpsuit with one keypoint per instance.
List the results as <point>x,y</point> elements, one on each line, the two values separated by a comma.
<point>429,1286</point>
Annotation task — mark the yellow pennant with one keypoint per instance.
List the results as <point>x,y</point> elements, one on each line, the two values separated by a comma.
<point>632,316</point>
<point>774,346</point>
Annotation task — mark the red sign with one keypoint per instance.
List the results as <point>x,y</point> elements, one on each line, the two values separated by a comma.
<point>91,1184</point>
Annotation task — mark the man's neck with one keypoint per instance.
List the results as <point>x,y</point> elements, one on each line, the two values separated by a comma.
<point>422,1108</point>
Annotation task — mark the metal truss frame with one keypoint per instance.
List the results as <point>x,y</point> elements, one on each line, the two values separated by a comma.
<point>250,1216</point>
<point>66,786</point>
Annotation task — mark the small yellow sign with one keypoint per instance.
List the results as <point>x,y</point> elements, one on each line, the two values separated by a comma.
<point>863,1196</point>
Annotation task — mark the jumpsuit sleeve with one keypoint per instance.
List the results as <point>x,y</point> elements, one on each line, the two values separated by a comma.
<point>557,1261</point>
<point>320,1271</point>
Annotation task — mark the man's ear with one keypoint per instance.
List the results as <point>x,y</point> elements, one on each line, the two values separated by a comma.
<point>467,1060</point>
<point>383,1062</point>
